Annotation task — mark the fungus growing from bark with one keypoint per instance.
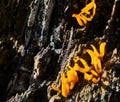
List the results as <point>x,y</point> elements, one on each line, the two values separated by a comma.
<point>86,14</point>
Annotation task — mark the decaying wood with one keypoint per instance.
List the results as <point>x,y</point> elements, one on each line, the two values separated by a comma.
<point>39,40</point>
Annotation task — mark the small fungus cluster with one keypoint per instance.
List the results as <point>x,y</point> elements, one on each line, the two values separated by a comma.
<point>68,82</point>
<point>91,72</point>
<point>86,14</point>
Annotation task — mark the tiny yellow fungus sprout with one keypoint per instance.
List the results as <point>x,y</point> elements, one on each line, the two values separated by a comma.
<point>85,15</point>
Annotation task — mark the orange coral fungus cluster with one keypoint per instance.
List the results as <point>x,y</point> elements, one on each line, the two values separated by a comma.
<point>86,15</point>
<point>91,73</point>
<point>68,82</point>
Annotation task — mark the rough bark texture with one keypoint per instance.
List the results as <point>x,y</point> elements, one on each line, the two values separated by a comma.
<point>39,38</point>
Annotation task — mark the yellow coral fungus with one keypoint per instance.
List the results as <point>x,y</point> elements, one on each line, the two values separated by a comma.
<point>88,76</point>
<point>96,58</point>
<point>68,82</point>
<point>101,52</point>
<point>95,61</point>
<point>96,80</point>
<point>96,70</point>
<point>72,77</point>
<point>78,68</point>
<point>65,86</point>
<point>85,15</point>
<point>91,72</point>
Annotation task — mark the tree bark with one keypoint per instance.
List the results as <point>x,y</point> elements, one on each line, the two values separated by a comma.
<point>40,38</point>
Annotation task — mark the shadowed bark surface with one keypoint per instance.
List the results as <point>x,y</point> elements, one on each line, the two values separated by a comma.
<point>40,38</point>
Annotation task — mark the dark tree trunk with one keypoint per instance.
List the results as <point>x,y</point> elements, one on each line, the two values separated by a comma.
<point>40,38</point>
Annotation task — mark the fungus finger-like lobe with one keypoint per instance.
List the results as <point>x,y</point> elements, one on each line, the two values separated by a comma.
<point>94,73</point>
<point>88,76</point>
<point>65,86</point>
<point>80,69</point>
<point>72,75</point>
<point>78,18</point>
<point>86,15</point>
<point>102,49</point>
<point>96,80</point>
<point>95,51</point>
